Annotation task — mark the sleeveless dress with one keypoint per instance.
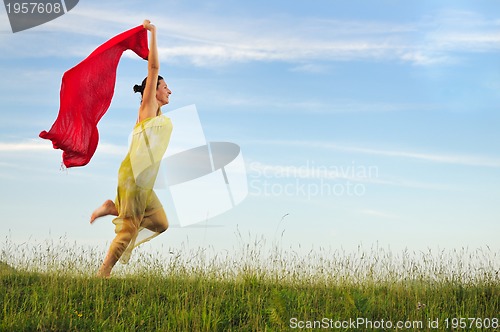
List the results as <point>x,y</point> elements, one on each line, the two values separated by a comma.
<point>135,198</point>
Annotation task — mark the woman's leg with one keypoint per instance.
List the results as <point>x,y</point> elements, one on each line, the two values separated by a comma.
<point>106,209</point>
<point>117,247</point>
<point>155,218</point>
<point>156,222</point>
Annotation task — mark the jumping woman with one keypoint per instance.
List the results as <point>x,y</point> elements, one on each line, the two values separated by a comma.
<point>136,206</point>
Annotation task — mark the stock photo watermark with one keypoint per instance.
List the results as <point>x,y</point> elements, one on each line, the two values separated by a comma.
<point>364,323</point>
<point>25,15</point>
<point>311,180</point>
<point>197,179</point>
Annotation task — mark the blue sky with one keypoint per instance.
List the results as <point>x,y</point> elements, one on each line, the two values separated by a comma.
<point>398,101</point>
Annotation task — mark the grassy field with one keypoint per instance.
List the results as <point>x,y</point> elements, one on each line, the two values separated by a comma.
<point>51,287</point>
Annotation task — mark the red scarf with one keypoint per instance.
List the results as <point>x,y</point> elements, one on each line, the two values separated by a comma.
<point>86,93</point>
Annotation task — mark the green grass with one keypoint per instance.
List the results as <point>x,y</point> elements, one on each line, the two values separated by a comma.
<point>51,287</point>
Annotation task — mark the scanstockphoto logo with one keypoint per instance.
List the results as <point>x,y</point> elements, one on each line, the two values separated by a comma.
<point>197,179</point>
<point>311,180</point>
<point>25,15</point>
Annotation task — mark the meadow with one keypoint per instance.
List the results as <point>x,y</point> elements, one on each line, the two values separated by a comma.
<point>50,286</point>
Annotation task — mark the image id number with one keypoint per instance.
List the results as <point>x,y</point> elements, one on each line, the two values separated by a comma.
<point>34,8</point>
<point>468,323</point>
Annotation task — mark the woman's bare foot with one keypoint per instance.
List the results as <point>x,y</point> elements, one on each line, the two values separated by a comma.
<point>106,209</point>
<point>103,273</point>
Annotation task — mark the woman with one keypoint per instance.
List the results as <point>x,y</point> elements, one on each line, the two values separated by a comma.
<point>136,206</point>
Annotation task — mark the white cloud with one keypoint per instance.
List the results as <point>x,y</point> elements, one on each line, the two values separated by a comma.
<point>25,146</point>
<point>467,160</point>
<point>272,103</point>
<point>209,40</point>
<point>311,68</point>
<point>40,145</point>
<point>215,40</point>
<point>379,214</point>
<point>419,58</point>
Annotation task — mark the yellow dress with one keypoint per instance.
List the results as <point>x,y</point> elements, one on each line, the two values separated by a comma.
<point>135,198</point>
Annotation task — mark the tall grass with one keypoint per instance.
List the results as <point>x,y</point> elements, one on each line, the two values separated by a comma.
<point>50,286</point>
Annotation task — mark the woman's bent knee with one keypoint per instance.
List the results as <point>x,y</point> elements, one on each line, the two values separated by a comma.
<point>164,227</point>
<point>156,222</point>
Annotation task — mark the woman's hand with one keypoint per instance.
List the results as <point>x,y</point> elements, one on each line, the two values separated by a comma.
<point>148,26</point>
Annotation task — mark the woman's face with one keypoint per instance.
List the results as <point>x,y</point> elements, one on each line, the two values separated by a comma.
<point>162,93</point>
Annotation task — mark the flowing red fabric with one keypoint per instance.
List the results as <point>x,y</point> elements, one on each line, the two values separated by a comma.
<point>86,93</point>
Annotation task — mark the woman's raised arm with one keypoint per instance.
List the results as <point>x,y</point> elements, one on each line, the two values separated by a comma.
<point>149,106</point>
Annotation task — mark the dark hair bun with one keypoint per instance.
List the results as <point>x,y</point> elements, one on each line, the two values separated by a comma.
<point>138,88</point>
